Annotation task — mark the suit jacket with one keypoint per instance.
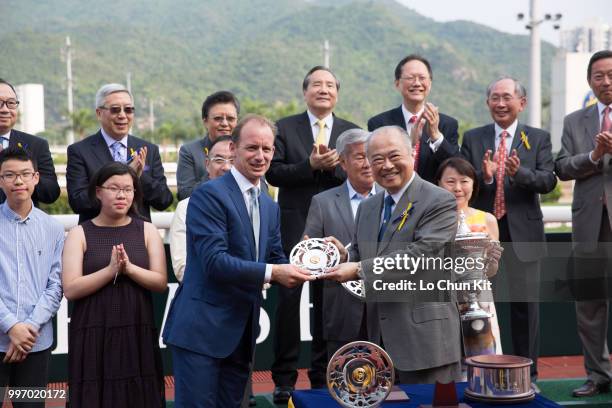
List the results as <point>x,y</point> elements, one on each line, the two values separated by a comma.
<point>593,181</point>
<point>47,190</point>
<point>428,160</point>
<point>222,284</point>
<point>535,176</point>
<point>86,157</point>
<point>416,334</point>
<point>191,169</point>
<point>330,214</point>
<point>291,172</point>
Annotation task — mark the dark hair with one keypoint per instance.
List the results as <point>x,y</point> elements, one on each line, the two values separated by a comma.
<point>2,81</point>
<point>306,80</point>
<point>262,120</point>
<point>116,169</point>
<point>216,98</point>
<point>596,57</point>
<point>17,153</point>
<point>220,139</point>
<point>411,57</point>
<point>464,168</point>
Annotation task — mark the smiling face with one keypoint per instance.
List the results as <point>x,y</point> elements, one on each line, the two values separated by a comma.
<point>601,80</point>
<point>18,180</point>
<point>460,185</point>
<point>116,125</point>
<point>221,120</point>
<point>505,103</point>
<point>8,117</point>
<point>391,160</point>
<point>220,159</point>
<point>116,195</point>
<point>254,150</point>
<point>414,84</point>
<point>357,167</point>
<point>321,93</point>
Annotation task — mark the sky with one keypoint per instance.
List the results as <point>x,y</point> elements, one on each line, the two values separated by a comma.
<point>502,14</point>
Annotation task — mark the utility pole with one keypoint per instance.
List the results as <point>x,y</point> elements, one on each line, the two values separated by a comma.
<point>151,116</point>
<point>326,54</point>
<point>128,83</point>
<point>535,63</point>
<point>68,54</point>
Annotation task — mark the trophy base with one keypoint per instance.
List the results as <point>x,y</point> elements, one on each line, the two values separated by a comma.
<point>397,395</point>
<point>499,400</point>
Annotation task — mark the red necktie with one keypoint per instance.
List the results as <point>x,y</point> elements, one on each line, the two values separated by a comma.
<point>417,146</point>
<point>606,123</point>
<point>499,207</point>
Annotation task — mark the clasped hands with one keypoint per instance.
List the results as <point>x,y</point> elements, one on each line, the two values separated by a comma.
<point>603,145</point>
<point>138,160</point>
<point>323,158</point>
<point>119,262</point>
<point>22,336</point>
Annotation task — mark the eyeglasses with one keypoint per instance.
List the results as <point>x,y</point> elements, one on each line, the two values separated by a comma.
<point>115,110</point>
<point>220,161</point>
<point>116,190</point>
<point>229,119</point>
<point>498,98</point>
<point>11,104</point>
<point>12,177</point>
<point>412,79</point>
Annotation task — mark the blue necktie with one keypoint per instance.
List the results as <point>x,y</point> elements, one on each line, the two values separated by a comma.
<point>254,214</point>
<point>386,216</point>
<point>116,148</point>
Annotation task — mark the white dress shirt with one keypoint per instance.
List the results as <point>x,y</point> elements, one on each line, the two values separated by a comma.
<point>408,115</point>
<point>357,198</point>
<point>110,141</point>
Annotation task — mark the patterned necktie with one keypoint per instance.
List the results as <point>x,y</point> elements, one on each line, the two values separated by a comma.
<point>499,207</point>
<point>254,213</point>
<point>321,139</point>
<point>117,149</point>
<point>386,216</point>
<point>417,145</point>
<point>606,123</point>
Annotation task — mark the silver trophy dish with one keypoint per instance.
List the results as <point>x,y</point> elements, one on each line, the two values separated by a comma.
<point>360,374</point>
<point>315,255</point>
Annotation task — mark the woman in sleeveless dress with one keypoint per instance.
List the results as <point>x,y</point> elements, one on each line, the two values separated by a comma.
<point>110,266</point>
<point>459,177</point>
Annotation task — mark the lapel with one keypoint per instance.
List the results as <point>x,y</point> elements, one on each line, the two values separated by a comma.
<point>238,200</point>
<point>15,138</point>
<point>133,146</point>
<point>343,205</point>
<point>100,149</point>
<point>397,117</point>
<point>304,132</point>
<point>517,141</point>
<point>335,132</point>
<point>591,125</point>
<point>488,139</point>
<point>369,224</point>
<point>410,195</point>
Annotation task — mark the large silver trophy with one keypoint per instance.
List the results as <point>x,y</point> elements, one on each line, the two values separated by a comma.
<point>315,255</point>
<point>360,374</point>
<point>476,323</point>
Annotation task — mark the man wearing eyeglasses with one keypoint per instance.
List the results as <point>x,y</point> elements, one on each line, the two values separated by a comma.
<point>47,190</point>
<point>219,115</point>
<point>115,112</point>
<point>434,134</point>
<point>514,164</point>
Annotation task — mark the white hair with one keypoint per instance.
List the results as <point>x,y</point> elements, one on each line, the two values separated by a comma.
<point>108,89</point>
<point>350,137</point>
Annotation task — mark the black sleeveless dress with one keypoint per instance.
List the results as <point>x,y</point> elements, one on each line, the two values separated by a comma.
<point>114,358</point>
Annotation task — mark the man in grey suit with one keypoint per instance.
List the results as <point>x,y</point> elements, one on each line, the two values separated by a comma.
<point>586,157</point>
<point>332,213</point>
<point>410,218</point>
<point>514,164</point>
<point>219,115</point>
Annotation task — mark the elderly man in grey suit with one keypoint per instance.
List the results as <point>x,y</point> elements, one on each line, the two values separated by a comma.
<point>332,213</point>
<point>586,157</point>
<point>411,218</point>
<point>219,115</point>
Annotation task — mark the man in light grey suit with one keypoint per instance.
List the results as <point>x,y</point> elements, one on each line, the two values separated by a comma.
<point>586,157</point>
<point>410,218</point>
<point>332,213</point>
<point>219,115</point>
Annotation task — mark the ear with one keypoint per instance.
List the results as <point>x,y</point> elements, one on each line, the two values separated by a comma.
<point>36,178</point>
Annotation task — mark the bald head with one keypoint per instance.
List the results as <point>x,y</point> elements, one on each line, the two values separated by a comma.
<point>390,155</point>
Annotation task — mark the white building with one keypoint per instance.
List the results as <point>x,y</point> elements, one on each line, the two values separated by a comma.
<point>591,37</point>
<point>31,108</point>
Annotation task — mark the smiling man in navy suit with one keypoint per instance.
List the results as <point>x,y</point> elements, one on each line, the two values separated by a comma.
<point>234,247</point>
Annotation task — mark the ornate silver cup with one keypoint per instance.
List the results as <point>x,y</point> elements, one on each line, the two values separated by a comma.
<point>315,255</point>
<point>360,374</point>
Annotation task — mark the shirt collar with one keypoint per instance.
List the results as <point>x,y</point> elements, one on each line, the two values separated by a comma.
<point>109,140</point>
<point>12,215</point>
<point>329,119</point>
<point>511,129</point>
<point>352,191</point>
<point>397,196</point>
<point>408,115</point>
<point>7,136</point>
<point>601,107</point>
<point>243,183</point>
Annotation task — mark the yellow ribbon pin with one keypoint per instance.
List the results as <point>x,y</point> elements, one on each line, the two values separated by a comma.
<point>405,215</point>
<point>206,151</point>
<point>19,145</point>
<point>132,152</point>
<point>525,140</point>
